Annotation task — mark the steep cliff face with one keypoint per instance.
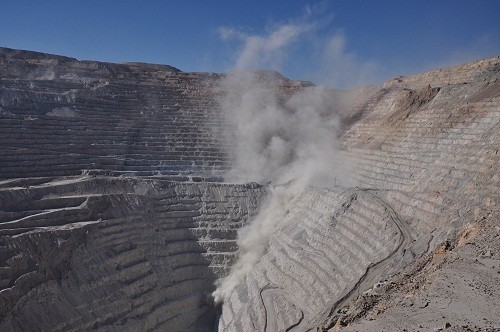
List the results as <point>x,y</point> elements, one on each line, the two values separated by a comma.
<point>430,149</point>
<point>61,116</point>
<point>426,148</point>
<point>91,252</point>
<point>114,214</point>
<point>433,148</point>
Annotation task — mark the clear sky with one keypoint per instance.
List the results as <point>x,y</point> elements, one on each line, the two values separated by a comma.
<point>337,42</point>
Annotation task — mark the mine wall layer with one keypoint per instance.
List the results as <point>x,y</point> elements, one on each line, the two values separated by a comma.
<point>113,217</point>
<point>94,251</point>
<point>317,256</point>
<point>426,148</point>
<point>65,116</point>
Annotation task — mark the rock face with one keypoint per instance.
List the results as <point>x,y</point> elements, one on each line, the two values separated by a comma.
<point>67,116</point>
<point>91,252</point>
<point>114,214</point>
<point>316,258</point>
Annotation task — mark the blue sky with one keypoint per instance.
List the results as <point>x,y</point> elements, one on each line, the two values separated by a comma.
<point>338,43</point>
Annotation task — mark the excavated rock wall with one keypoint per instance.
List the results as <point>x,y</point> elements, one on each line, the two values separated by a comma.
<point>434,149</point>
<point>89,252</point>
<point>427,149</point>
<point>316,257</point>
<point>61,116</point>
<point>112,217</point>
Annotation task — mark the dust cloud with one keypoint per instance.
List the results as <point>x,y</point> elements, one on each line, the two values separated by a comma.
<point>285,140</point>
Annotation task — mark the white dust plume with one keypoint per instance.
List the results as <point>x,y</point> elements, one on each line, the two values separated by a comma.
<point>253,239</point>
<point>278,138</point>
<point>289,142</point>
<point>283,133</point>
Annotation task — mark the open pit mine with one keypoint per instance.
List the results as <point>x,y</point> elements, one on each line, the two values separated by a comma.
<point>117,214</point>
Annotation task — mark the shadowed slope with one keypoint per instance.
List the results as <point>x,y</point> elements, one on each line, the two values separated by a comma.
<point>137,254</point>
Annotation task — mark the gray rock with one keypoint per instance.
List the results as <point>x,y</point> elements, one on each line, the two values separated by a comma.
<point>114,214</point>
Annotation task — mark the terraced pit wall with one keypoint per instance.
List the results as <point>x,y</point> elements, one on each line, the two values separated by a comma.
<point>430,146</point>
<point>60,116</point>
<point>113,217</point>
<point>139,254</point>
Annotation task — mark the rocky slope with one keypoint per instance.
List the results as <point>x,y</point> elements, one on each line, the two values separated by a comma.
<point>113,215</point>
<point>93,251</point>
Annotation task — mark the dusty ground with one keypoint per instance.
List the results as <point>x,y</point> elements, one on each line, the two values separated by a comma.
<point>454,288</point>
